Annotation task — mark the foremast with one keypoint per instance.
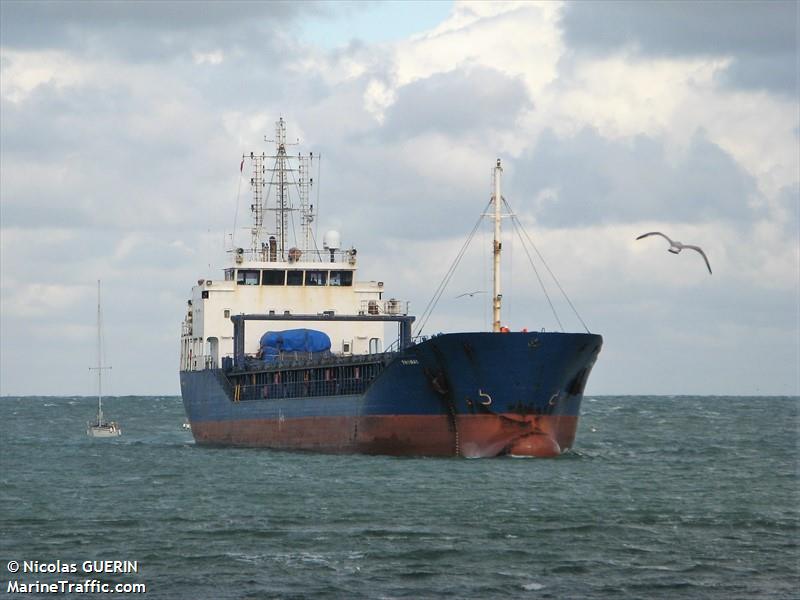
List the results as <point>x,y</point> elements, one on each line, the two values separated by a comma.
<point>497,247</point>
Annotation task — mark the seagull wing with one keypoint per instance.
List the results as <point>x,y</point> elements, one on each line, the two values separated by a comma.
<point>703,254</point>
<point>644,235</point>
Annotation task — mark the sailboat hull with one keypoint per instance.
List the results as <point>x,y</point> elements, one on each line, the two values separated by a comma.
<point>103,431</point>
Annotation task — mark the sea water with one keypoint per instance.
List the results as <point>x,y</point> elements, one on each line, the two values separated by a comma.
<point>662,497</point>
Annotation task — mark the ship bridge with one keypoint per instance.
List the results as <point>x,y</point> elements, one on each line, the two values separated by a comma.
<point>285,290</point>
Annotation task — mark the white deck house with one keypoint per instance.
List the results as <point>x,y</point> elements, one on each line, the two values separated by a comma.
<point>283,288</point>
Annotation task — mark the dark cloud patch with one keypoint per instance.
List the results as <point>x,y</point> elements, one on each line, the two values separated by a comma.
<point>597,180</point>
<point>762,72</point>
<point>683,27</point>
<point>45,17</point>
<point>148,30</point>
<point>456,103</point>
<point>382,195</point>
<point>760,36</point>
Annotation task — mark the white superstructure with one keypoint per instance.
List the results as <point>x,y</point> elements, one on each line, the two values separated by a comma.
<point>272,277</point>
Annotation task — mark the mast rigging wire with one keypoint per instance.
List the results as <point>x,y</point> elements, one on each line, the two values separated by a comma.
<point>236,212</point>
<point>520,230</point>
<point>544,262</point>
<point>448,276</point>
<point>539,279</point>
<point>291,208</point>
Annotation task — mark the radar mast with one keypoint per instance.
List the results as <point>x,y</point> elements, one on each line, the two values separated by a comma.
<point>290,181</point>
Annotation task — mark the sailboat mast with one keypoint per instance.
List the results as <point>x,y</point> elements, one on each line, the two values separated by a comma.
<point>498,296</point>
<point>99,361</point>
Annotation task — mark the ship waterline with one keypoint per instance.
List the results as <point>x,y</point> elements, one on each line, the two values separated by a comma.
<point>470,436</point>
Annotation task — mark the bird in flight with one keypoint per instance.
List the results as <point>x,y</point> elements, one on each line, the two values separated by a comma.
<point>471,294</point>
<point>676,247</point>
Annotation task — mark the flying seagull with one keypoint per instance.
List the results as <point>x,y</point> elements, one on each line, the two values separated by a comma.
<point>676,247</point>
<point>471,294</point>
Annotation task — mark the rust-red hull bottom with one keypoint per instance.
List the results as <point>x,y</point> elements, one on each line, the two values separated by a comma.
<point>400,435</point>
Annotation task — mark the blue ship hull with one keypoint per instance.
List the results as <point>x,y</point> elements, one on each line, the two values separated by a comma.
<point>461,394</point>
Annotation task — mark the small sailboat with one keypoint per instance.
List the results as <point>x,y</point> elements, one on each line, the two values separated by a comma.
<point>100,428</point>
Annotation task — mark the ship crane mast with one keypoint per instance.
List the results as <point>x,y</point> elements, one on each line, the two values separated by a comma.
<point>497,247</point>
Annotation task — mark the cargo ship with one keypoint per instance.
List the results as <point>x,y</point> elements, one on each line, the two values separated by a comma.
<point>287,350</point>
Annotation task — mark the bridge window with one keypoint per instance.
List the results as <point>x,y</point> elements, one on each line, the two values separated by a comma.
<point>342,278</point>
<point>294,278</point>
<point>247,277</point>
<point>316,277</point>
<point>273,277</point>
<point>228,274</point>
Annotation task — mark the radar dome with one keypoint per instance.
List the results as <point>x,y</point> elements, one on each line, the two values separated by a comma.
<point>331,240</point>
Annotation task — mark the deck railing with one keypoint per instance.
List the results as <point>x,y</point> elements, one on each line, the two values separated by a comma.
<point>299,389</point>
<point>385,307</point>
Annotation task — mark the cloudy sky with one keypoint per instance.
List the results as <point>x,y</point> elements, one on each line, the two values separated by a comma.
<point>122,126</point>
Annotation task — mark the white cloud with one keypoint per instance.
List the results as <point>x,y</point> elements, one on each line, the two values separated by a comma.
<point>622,96</point>
<point>26,299</point>
<point>377,98</point>
<point>24,71</point>
<point>214,57</point>
<point>513,37</point>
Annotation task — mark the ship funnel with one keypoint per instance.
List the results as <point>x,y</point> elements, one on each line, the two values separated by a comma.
<point>332,242</point>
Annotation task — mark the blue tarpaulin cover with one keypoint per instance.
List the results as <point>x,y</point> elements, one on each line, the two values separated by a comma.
<point>294,340</point>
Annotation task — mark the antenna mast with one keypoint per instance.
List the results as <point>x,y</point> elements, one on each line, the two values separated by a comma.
<point>282,171</point>
<point>281,166</point>
<point>257,207</point>
<point>282,178</point>
<point>304,185</point>
<point>497,199</point>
